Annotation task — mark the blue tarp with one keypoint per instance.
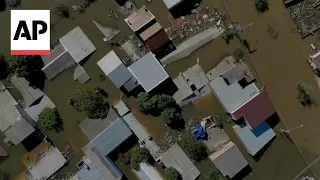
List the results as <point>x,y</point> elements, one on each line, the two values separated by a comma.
<point>199,132</point>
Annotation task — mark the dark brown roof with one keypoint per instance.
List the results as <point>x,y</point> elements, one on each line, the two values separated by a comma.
<point>257,110</point>
<point>157,40</point>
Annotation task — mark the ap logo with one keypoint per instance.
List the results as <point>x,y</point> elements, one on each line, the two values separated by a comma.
<point>30,32</point>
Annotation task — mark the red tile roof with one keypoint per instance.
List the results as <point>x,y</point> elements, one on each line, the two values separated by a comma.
<point>256,110</point>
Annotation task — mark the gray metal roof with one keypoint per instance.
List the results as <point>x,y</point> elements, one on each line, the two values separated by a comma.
<point>54,54</point>
<point>30,95</point>
<point>18,131</point>
<point>112,136</point>
<point>113,67</point>
<point>108,170</point>
<point>254,140</point>
<point>196,76</point>
<point>172,3</point>
<point>229,160</point>
<point>176,158</point>
<point>77,44</point>
<point>148,71</point>
<point>225,65</point>
<point>232,96</point>
<point>93,127</point>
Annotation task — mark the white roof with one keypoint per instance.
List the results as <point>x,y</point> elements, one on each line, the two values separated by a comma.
<point>113,67</point>
<point>254,140</point>
<point>171,3</point>
<point>176,158</point>
<point>148,71</point>
<point>50,163</point>
<point>232,96</point>
<point>77,44</point>
<point>139,18</point>
<point>229,160</point>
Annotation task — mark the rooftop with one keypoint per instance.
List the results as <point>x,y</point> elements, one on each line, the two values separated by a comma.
<point>237,73</point>
<point>157,41</point>
<point>93,127</point>
<point>254,140</point>
<point>147,172</point>
<point>258,109</point>
<point>176,158</point>
<point>77,44</point>
<point>145,66</point>
<point>113,67</point>
<point>18,131</point>
<point>232,96</point>
<point>184,90</point>
<point>30,95</point>
<point>102,163</point>
<point>225,65</point>
<point>171,3</point>
<point>195,76</point>
<point>229,160</point>
<point>43,161</point>
<point>139,18</point>
<point>150,31</point>
<point>35,110</point>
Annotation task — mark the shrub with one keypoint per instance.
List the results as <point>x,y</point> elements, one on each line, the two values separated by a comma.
<point>145,103</point>
<point>124,158</point>
<point>215,175</point>
<point>138,155</point>
<point>261,5</point>
<point>304,93</point>
<point>164,101</point>
<point>228,34</point>
<point>195,149</point>
<point>238,54</point>
<point>50,119</point>
<point>220,119</point>
<point>62,10</point>
<point>171,117</point>
<point>4,176</point>
<point>90,100</point>
<point>171,174</point>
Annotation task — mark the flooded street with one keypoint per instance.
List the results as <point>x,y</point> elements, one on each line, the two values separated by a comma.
<point>280,64</point>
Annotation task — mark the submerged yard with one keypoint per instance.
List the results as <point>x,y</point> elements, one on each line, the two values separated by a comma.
<point>280,63</point>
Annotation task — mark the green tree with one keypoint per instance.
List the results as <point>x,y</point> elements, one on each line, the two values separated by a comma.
<point>215,175</point>
<point>146,103</point>
<point>304,93</point>
<point>90,100</point>
<point>228,34</point>
<point>172,174</point>
<point>4,71</point>
<point>261,5</point>
<point>164,101</point>
<point>4,176</point>
<point>50,119</point>
<point>124,158</point>
<point>139,155</point>
<point>62,10</point>
<point>171,117</point>
<point>28,67</point>
<point>220,119</point>
<point>195,149</point>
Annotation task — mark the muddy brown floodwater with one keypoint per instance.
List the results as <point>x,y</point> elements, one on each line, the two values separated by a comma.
<point>280,64</point>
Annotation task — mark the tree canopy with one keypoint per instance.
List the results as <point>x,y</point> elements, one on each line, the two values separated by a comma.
<point>91,101</point>
<point>164,101</point>
<point>50,119</point>
<point>28,67</point>
<point>261,5</point>
<point>62,10</point>
<point>146,103</point>
<point>228,34</point>
<point>220,119</point>
<point>4,71</point>
<point>138,155</point>
<point>194,148</point>
<point>238,54</point>
<point>304,93</point>
<point>215,175</point>
<point>171,117</point>
<point>171,174</point>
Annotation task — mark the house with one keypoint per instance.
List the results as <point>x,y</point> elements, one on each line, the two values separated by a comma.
<point>43,161</point>
<point>35,110</point>
<point>14,124</point>
<point>180,8</point>
<point>176,158</point>
<point>105,135</point>
<point>148,72</point>
<point>115,70</point>
<point>29,94</point>
<point>3,154</point>
<point>229,160</point>
<point>72,49</point>
<point>254,140</point>
<point>150,32</point>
